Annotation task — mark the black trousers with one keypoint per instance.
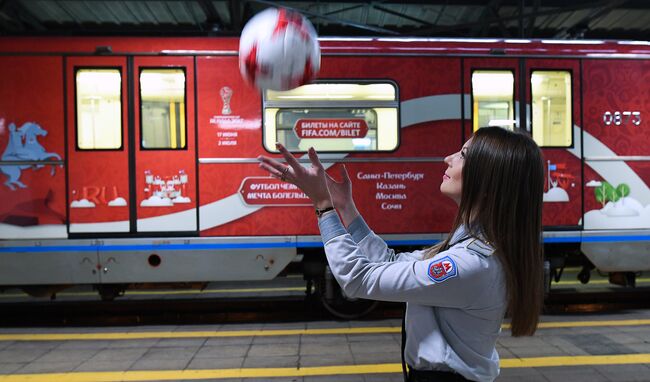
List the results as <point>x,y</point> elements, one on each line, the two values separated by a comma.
<point>434,376</point>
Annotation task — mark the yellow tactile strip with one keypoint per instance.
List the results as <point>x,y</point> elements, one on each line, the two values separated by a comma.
<point>620,359</point>
<point>274,332</point>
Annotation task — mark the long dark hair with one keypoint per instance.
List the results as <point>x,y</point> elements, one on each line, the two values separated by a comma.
<point>502,187</point>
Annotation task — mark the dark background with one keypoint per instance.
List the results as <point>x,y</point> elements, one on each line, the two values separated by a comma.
<point>556,19</point>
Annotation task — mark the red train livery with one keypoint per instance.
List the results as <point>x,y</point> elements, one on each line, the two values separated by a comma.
<point>132,160</point>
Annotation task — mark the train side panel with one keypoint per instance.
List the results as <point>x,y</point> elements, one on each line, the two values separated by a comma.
<point>31,129</point>
<point>617,166</point>
<point>33,192</point>
<point>396,196</point>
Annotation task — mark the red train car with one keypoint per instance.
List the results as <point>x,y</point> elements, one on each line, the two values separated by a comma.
<point>132,160</point>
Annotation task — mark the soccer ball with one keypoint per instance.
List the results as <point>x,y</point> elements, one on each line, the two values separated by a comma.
<point>278,50</point>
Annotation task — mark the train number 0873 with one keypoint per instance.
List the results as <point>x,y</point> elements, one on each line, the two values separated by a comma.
<point>622,118</point>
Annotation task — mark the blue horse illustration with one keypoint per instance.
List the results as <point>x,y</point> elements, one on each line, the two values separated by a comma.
<point>23,145</point>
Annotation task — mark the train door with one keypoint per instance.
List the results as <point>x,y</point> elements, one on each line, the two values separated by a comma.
<point>553,117</point>
<point>98,145</point>
<point>164,147</point>
<point>491,95</point>
<point>131,145</point>
<point>501,91</point>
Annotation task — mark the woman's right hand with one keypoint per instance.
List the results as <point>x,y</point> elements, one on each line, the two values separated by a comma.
<point>341,194</point>
<point>311,180</point>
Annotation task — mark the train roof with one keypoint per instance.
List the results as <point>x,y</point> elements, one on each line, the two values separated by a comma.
<point>330,46</point>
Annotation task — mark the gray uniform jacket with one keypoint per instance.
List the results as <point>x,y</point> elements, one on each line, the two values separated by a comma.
<point>456,300</point>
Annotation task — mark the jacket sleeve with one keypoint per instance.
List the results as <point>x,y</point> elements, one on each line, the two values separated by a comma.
<point>375,247</point>
<point>452,278</point>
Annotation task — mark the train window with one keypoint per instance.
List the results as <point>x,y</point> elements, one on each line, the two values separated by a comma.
<point>162,108</point>
<point>333,117</point>
<point>493,98</point>
<point>99,109</point>
<point>552,114</point>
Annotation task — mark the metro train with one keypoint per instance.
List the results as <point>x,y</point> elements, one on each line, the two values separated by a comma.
<point>132,161</point>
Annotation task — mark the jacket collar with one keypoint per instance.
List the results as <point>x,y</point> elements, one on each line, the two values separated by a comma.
<point>462,234</point>
<point>459,235</point>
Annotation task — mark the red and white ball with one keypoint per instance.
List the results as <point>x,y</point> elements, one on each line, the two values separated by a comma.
<point>279,50</point>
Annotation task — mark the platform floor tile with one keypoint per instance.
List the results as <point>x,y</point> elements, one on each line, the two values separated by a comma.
<point>620,373</point>
<point>108,365</point>
<point>326,360</point>
<point>573,374</point>
<point>225,351</point>
<point>10,367</point>
<point>49,367</point>
<point>216,363</point>
<point>22,354</point>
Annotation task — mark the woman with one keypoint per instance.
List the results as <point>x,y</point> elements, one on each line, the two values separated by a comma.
<point>457,292</point>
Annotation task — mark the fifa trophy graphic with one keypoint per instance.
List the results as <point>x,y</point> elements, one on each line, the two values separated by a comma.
<point>226,95</point>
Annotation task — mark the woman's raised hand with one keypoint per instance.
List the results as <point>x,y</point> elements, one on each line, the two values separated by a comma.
<point>341,194</point>
<point>312,180</point>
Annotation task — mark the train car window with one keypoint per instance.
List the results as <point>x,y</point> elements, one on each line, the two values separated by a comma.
<point>493,98</point>
<point>551,103</point>
<point>162,108</point>
<point>98,109</point>
<point>333,117</point>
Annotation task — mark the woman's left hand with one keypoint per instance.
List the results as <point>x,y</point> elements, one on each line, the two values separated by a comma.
<point>311,180</point>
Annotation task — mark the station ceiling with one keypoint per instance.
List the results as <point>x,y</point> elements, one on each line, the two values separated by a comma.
<point>560,19</point>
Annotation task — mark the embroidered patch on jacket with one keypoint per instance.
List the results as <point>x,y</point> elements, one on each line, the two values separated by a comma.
<point>442,269</point>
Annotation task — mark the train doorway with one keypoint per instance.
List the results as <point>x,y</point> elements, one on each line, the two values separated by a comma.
<point>553,114</point>
<point>131,145</point>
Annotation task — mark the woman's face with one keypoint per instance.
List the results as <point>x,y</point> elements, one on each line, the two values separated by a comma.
<point>452,180</point>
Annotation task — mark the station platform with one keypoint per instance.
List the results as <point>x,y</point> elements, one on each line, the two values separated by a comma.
<point>583,347</point>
